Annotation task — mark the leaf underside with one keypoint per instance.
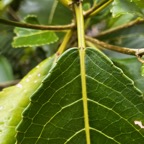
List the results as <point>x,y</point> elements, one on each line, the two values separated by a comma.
<point>13,100</point>
<point>56,114</point>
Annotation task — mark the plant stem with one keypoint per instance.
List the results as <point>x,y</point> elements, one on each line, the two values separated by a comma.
<point>138,52</point>
<point>90,44</point>
<point>62,46</point>
<point>38,27</point>
<point>124,26</point>
<point>97,8</point>
<point>80,25</point>
<point>64,42</point>
<point>81,45</point>
<point>123,50</point>
<point>101,8</point>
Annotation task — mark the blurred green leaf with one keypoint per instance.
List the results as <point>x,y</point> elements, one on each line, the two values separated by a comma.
<point>35,7</point>
<point>132,37</point>
<point>47,11</point>
<point>56,112</point>
<point>132,68</point>
<point>127,6</point>
<point>142,70</point>
<point>13,100</point>
<point>6,73</point>
<point>6,49</point>
<point>4,4</point>
<point>62,15</point>
<point>120,20</point>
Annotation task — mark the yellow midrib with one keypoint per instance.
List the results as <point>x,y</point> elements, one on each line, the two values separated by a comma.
<point>81,44</point>
<point>84,94</point>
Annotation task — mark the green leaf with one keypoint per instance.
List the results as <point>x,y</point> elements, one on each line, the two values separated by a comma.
<point>31,38</point>
<point>139,3</point>
<point>36,7</point>
<point>127,6</point>
<point>142,70</point>
<point>4,4</point>
<point>56,112</point>
<point>6,73</point>
<point>47,11</point>
<point>14,99</point>
<point>132,37</point>
<point>32,19</point>
<point>132,68</point>
<point>6,49</point>
<point>62,15</point>
<point>117,21</point>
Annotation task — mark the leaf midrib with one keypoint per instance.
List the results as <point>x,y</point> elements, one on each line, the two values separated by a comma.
<point>84,93</point>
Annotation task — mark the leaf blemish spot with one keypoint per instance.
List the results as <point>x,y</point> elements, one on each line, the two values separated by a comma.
<point>29,76</point>
<point>139,123</point>
<point>27,80</point>
<point>39,75</point>
<point>35,81</point>
<point>19,85</point>
<point>1,107</point>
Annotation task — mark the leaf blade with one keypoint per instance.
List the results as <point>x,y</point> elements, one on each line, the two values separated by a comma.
<point>127,6</point>
<point>36,38</point>
<point>113,104</point>
<point>14,99</point>
<point>29,37</point>
<point>6,73</point>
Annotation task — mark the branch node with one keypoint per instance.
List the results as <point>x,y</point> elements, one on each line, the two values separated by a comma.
<point>140,54</point>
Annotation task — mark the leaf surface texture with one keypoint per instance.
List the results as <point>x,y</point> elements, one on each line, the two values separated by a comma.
<point>30,38</point>
<point>13,100</point>
<point>56,113</point>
